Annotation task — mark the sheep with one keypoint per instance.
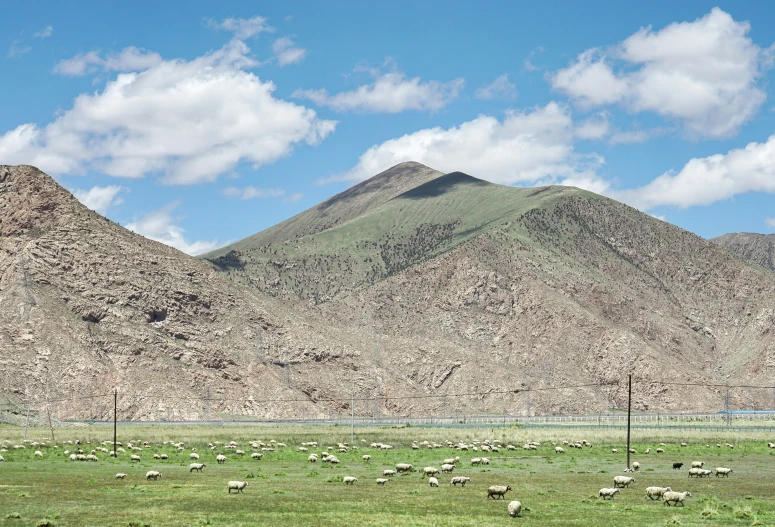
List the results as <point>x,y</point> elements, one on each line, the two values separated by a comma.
<point>164,456</point>
<point>721,471</point>
<point>259,455</point>
<point>38,453</point>
<point>676,497</point>
<point>770,445</point>
<point>433,482</point>
<point>451,460</point>
<point>135,457</point>
<point>446,469</point>
<point>515,507</point>
<point>429,471</point>
<point>615,450</point>
<point>120,475</point>
<point>196,466</point>
<point>92,457</point>
<point>382,481</point>
<point>635,466</point>
<point>333,460</point>
<point>366,458</point>
<point>388,473</point>
<point>156,456</point>
<point>349,480</point>
<point>73,457</point>
<point>660,450</point>
<point>498,491</point>
<point>608,493</point>
<point>239,486</point>
<point>648,451</point>
<point>683,444</point>
<point>655,493</point>
<point>152,475</point>
<point>557,450</point>
<point>677,466</point>
<point>312,458</point>
<point>460,479</point>
<point>404,467</point>
<point>220,458</point>
<point>476,461</point>
<point>704,473</point>
<point>623,481</point>
<point>485,461</point>
<point>696,472</point>
<point>698,464</point>
<point>194,455</point>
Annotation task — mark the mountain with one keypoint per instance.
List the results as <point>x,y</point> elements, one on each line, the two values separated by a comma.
<point>755,248</point>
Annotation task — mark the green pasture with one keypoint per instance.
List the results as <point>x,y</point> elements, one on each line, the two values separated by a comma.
<point>285,489</point>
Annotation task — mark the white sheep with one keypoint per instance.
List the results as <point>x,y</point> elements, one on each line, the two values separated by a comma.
<point>156,456</point>
<point>557,450</point>
<point>120,475</point>
<point>152,475</point>
<point>608,493</point>
<point>312,458</point>
<point>635,466</point>
<point>220,458</point>
<point>404,467</point>
<point>515,508</point>
<point>648,451</point>
<point>259,455</point>
<point>164,456</point>
<point>382,481</point>
<point>498,491</point>
<point>446,469</point>
<point>135,457</point>
<point>429,471</point>
<point>451,460</point>
<point>721,471</point>
<point>698,464</point>
<point>770,445</point>
<point>695,472</point>
<point>660,450</point>
<point>615,450</point>
<point>656,493</point>
<point>366,458</point>
<point>433,482</point>
<point>239,486</point>
<point>193,455</point>
<point>38,453</point>
<point>476,461</point>
<point>460,479</point>
<point>676,497</point>
<point>388,473</point>
<point>485,461</point>
<point>623,481</point>
<point>349,480</point>
<point>196,466</point>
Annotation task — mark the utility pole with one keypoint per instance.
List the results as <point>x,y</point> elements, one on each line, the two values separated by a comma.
<point>115,419</point>
<point>629,411</point>
<point>352,419</point>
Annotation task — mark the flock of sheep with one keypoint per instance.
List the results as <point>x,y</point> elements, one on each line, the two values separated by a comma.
<point>135,449</point>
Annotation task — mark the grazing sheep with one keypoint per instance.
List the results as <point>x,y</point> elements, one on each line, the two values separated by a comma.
<point>433,482</point>
<point>92,457</point>
<point>608,493</point>
<point>557,450</point>
<point>656,493</point>
<point>446,469</point>
<point>770,445</point>
<point>259,455</point>
<point>677,466</point>
<point>332,459</point>
<point>698,464</point>
<point>660,450</point>
<point>312,458</point>
<point>388,473</point>
<point>220,458</point>
<point>648,451</point>
<point>460,479</point>
<point>239,486</point>
<point>120,475</point>
<point>366,458</point>
<point>349,480</point>
<point>498,491</point>
<point>196,466</point>
<point>135,457</point>
<point>676,497</point>
<point>485,461</point>
<point>382,481</point>
<point>38,453</point>
<point>635,466</point>
<point>721,471</point>
<point>451,460</point>
<point>623,481</point>
<point>404,467</point>
<point>696,472</point>
<point>704,473</point>
<point>429,471</point>
<point>193,455</point>
<point>515,507</point>
<point>164,456</point>
<point>152,475</point>
<point>156,456</point>
<point>683,444</point>
<point>476,461</point>
<point>615,450</point>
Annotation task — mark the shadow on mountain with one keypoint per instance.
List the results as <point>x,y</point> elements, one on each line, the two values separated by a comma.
<point>442,185</point>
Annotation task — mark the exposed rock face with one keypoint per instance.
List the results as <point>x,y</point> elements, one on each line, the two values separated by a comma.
<point>421,287</point>
<point>756,248</point>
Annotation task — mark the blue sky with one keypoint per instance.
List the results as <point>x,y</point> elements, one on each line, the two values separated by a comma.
<point>200,123</point>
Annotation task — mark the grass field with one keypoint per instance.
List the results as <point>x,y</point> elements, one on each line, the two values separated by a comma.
<point>285,489</point>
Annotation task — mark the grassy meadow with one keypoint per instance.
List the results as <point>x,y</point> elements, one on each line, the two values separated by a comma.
<point>286,490</point>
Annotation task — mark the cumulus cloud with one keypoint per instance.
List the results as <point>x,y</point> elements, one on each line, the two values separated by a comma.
<point>161,226</point>
<point>500,88</point>
<point>189,121</point>
<point>99,199</point>
<point>595,127</point>
<point>534,147</point>
<point>243,28</point>
<point>529,66</point>
<point>45,32</point>
<point>287,52</point>
<point>703,73</point>
<point>251,192</point>
<point>770,222</point>
<point>129,59</point>
<point>390,92</point>
<point>706,180</point>
<point>293,198</point>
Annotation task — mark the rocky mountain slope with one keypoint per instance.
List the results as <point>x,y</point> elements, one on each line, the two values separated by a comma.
<point>755,248</point>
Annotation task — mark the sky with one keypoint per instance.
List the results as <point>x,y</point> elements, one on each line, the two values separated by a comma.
<point>200,123</point>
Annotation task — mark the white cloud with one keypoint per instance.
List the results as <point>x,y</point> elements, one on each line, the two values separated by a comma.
<point>390,92</point>
<point>286,52</point>
<point>526,147</point>
<point>159,225</point>
<point>595,127</point>
<point>129,59</point>
<point>770,222</point>
<point>703,73</point>
<point>243,28</point>
<point>703,181</point>
<point>251,192</point>
<point>497,89</point>
<point>99,199</point>
<point>188,120</point>
<point>529,66</point>
<point>293,198</point>
<point>17,49</point>
<point>45,32</point>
